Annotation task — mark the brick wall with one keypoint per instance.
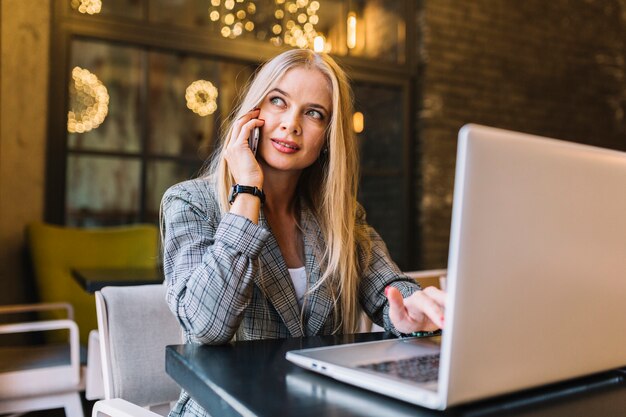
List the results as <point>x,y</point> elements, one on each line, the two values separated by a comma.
<point>554,68</point>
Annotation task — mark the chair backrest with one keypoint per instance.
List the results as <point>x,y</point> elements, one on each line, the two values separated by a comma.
<point>56,250</point>
<point>135,325</point>
<point>431,277</point>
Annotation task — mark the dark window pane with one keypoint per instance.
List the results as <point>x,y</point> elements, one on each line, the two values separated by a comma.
<point>118,69</point>
<point>382,139</point>
<point>179,82</point>
<point>382,188</point>
<point>385,203</point>
<point>162,175</point>
<point>102,190</point>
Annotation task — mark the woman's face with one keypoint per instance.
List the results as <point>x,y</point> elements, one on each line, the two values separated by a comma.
<point>296,112</point>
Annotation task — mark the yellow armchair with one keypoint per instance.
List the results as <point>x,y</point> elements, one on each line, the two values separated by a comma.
<point>56,250</point>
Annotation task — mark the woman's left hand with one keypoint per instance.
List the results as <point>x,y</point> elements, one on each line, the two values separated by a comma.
<point>422,311</point>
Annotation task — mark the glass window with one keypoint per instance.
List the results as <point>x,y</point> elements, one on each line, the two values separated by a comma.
<point>189,96</point>
<point>174,107</point>
<point>384,200</point>
<point>160,176</point>
<point>104,97</point>
<point>181,125</point>
<point>381,142</point>
<point>102,190</point>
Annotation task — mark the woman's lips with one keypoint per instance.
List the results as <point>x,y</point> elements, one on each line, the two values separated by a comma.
<point>285,146</point>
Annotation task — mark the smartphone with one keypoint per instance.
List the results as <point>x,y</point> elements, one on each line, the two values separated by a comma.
<point>253,140</point>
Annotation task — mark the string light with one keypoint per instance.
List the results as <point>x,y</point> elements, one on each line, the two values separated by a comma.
<point>90,94</point>
<point>201,97</point>
<point>295,25</point>
<point>235,16</point>
<point>87,6</point>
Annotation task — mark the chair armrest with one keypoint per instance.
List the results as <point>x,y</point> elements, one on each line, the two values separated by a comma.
<point>39,326</point>
<point>26,308</point>
<point>117,407</point>
<point>47,325</point>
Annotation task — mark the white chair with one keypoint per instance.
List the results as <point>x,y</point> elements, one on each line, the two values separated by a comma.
<point>135,325</point>
<point>94,386</point>
<point>427,278</point>
<point>43,376</point>
<point>431,277</point>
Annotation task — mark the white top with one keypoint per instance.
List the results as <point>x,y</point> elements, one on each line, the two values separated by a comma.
<point>298,277</point>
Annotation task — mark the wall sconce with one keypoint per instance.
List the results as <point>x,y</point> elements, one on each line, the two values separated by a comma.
<point>351,30</point>
<point>92,97</point>
<point>87,6</point>
<point>358,122</point>
<point>201,97</point>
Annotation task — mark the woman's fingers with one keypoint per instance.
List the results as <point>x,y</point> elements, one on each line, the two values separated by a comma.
<point>241,161</point>
<point>243,126</point>
<point>421,305</point>
<point>422,311</point>
<point>398,313</point>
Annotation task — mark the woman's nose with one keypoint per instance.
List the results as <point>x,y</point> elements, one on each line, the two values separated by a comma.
<point>291,124</point>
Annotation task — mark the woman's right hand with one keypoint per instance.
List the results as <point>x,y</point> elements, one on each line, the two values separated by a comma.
<point>242,163</point>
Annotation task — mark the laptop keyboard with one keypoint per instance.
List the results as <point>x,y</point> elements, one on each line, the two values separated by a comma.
<point>417,369</point>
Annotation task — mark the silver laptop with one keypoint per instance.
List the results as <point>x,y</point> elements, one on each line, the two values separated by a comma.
<point>536,278</point>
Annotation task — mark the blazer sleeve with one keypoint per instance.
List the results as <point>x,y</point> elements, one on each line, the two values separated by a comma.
<point>209,262</point>
<point>378,272</point>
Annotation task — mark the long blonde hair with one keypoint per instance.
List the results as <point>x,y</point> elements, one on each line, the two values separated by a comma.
<point>329,186</point>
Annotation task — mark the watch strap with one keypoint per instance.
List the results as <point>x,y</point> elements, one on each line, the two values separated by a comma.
<point>245,189</point>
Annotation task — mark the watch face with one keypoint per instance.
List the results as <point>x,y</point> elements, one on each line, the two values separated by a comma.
<point>232,195</point>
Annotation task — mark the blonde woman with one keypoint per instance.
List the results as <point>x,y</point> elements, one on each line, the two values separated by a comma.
<point>275,244</point>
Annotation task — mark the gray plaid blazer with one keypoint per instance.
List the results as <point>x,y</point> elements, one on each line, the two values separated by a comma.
<point>226,276</point>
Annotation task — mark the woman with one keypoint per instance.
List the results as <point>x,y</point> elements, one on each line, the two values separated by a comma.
<point>290,254</point>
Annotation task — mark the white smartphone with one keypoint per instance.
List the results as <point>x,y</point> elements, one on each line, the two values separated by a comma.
<point>253,140</point>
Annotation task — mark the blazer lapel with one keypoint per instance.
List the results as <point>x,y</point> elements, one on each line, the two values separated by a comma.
<point>276,285</point>
<point>319,304</point>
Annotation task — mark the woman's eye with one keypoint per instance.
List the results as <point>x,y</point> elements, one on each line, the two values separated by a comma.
<point>277,101</point>
<point>315,114</point>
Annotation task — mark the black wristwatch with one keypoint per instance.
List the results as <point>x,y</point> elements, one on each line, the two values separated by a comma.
<point>246,189</point>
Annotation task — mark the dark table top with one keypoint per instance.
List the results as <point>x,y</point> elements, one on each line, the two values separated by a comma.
<point>254,378</point>
<point>94,279</point>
